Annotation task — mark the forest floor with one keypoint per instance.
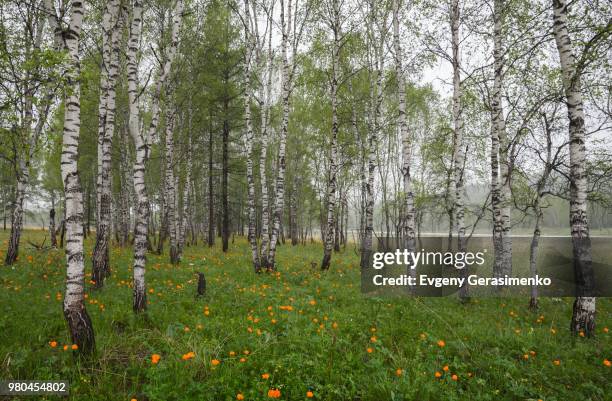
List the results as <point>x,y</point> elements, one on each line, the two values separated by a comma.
<point>299,331</point>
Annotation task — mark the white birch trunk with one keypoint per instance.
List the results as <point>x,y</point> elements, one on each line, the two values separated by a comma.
<point>252,215</point>
<point>583,316</point>
<point>263,177</point>
<point>458,151</point>
<point>170,189</point>
<point>81,330</point>
<point>139,303</point>
<point>408,219</point>
<point>112,30</point>
<point>502,241</point>
<point>280,175</point>
<point>333,158</point>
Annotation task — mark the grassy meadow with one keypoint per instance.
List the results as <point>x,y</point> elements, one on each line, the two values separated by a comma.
<point>293,335</point>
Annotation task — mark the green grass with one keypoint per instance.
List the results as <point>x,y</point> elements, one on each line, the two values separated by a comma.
<point>485,341</point>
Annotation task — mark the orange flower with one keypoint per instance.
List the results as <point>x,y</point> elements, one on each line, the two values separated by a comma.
<point>607,363</point>
<point>242,359</point>
<point>239,396</point>
<point>445,368</point>
<point>441,343</point>
<point>274,393</point>
<point>74,347</point>
<point>232,353</point>
<point>454,377</point>
<point>370,350</point>
<point>215,362</point>
<point>399,372</point>
<point>605,330</point>
<point>265,376</point>
<point>373,339</point>
<point>65,348</point>
<point>313,302</point>
<point>526,356</point>
<point>53,344</point>
<point>155,358</point>
<point>335,325</point>
<point>556,362</point>
<point>438,374</point>
<point>189,355</point>
<point>309,394</point>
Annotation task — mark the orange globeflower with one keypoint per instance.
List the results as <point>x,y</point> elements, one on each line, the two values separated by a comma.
<point>438,374</point>
<point>441,343</point>
<point>556,362</point>
<point>274,393</point>
<point>370,350</point>
<point>74,347</point>
<point>155,358</point>
<point>398,372</point>
<point>607,363</point>
<point>309,394</point>
<point>215,362</point>
<point>239,396</point>
<point>53,344</point>
<point>65,348</point>
<point>454,377</point>
<point>445,368</point>
<point>187,356</point>
<point>232,353</point>
<point>265,376</point>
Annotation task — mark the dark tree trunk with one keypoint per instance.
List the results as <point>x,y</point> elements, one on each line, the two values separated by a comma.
<point>211,193</point>
<point>224,183</point>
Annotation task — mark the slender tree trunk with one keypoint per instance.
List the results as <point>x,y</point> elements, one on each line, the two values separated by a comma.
<point>533,252</point>
<point>211,194</point>
<point>139,303</point>
<point>499,158</point>
<point>52,222</point>
<point>186,193</point>
<point>112,30</point>
<point>17,217</point>
<point>459,152</point>
<point>252,214</point>
<point>279,196</point>
<point>225,229</point>
<point>170,189</point>
<point>79,323</point>
<point>263,177</point>
<point>408,217</point>
<point>333,159</point>
<point>583,316</point>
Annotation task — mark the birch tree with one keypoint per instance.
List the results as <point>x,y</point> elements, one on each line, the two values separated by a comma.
<point>79,322</point>
<point>458,145</point>
<point>112,29</point>
<point>408,219</point>
<point>250,48</point>
<point>500,172</point>
<point>376,64</point>
<point>291,33</point>
<point>332,183</point>
<point>583,315</point>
